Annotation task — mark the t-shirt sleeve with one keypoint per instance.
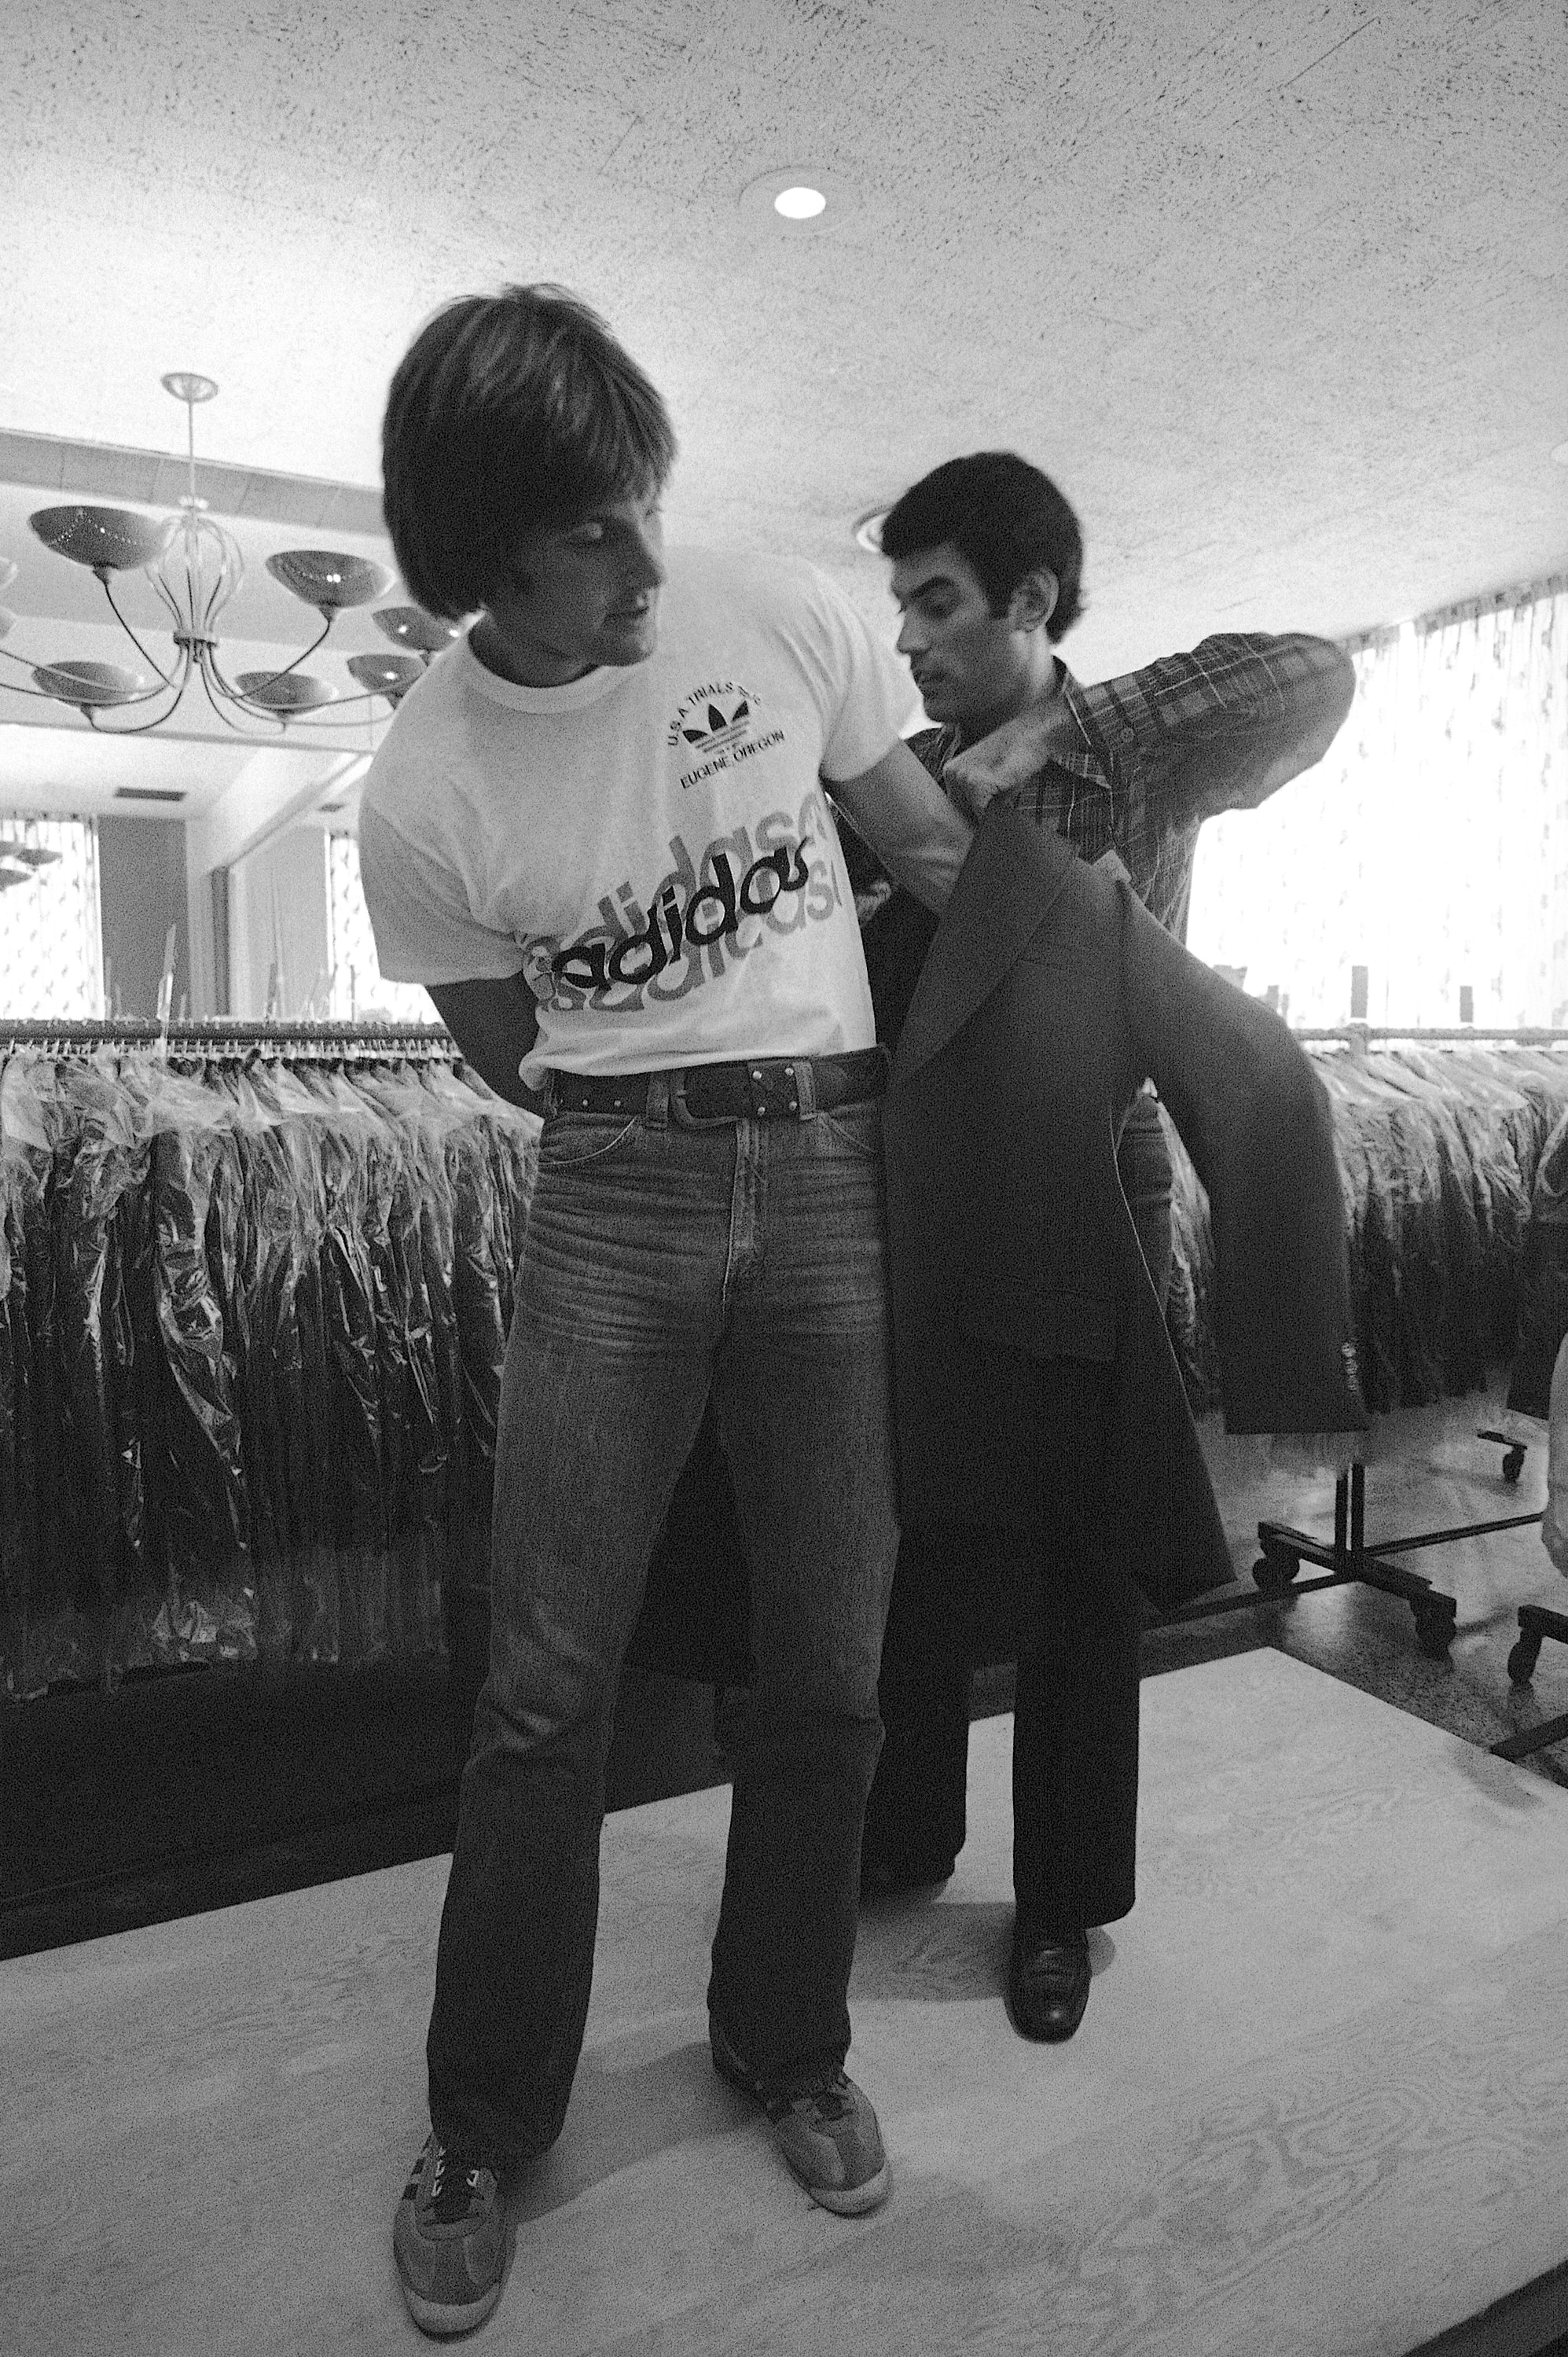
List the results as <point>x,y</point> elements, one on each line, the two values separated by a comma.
<point>425,931</point>
<point>870,696</point>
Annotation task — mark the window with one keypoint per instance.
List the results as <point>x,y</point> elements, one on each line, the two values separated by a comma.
<point>358,992</point>
<point>1430,845</point>
<point>51,940</point>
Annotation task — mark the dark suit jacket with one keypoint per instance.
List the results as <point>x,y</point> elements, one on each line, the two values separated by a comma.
<point>1049,994</point>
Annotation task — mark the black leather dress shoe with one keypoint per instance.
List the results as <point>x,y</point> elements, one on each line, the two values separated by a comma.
<point>1047,1983</point>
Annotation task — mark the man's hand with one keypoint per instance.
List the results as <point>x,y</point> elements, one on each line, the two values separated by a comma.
<point>1010,755</point>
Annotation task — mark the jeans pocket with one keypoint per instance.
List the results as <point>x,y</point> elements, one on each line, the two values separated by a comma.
<point>856,1127</point>
<point>569,1139</point>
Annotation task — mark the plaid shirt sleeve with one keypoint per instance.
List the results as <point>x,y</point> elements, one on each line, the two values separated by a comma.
<point>1163,749</point>
<point>1225,726</point>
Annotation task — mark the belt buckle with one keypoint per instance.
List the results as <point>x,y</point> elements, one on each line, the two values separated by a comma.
<point>684,1117</point>
<point>773,1091</point>
<point>770,1090</point>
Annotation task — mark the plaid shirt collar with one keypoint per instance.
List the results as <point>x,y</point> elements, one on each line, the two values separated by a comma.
<point>1088,760</point>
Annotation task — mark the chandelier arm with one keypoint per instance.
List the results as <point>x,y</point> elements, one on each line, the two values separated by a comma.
<point>130,633</point>
<point>140,728</point>
<point>223,588</point>
<point>347,703</point>
<point>273,677</point>
<point>170,601</point>
<point>216,696</point>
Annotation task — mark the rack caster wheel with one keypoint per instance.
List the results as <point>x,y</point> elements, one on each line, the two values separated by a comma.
<point>1523,1659</point>
<point>1274,1574</point>
<point>1433,1631</point>
<point>1513,1464</point>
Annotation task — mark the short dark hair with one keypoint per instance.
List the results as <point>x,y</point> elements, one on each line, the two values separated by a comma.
<point>1004,518</point>
<point>508,412</point>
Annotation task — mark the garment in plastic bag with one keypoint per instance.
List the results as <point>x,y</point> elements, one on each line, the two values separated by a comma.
<point>1554,1522</point>
<point>1543,1282</point>
<point>197,1497</point>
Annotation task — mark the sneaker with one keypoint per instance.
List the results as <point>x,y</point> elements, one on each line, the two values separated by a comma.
<point>827,2131</point>
<point>449,2240</point>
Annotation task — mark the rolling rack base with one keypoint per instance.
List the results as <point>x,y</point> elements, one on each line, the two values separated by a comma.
<point>1349,1559</point>
<point>1536,1623</point>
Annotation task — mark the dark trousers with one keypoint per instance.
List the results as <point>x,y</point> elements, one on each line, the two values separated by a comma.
<point>1070,1616</point>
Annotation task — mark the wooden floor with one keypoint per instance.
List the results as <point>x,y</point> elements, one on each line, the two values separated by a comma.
<point>1319,2103</point>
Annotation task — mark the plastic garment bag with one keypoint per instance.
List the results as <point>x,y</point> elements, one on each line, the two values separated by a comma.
<point>101,1162</point>
<point>198,1503</point>
<point>417,1434</point>
<point>292,1441</point>
<point>30,1554</point>
<point>1554,1522</point>
<point>1437,1149</point>
<point>1189,1302</point>
<point>1543,1283</point>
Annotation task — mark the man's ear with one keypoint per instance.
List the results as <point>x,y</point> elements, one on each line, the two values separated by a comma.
<point>1035,600</point>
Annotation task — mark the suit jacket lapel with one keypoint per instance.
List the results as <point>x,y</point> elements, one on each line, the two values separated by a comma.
<point>1014,873</point>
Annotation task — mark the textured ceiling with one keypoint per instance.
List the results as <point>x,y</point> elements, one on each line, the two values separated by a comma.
<point>1279,291</point>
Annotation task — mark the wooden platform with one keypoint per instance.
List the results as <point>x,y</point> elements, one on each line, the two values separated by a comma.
<point>1319,2103</point>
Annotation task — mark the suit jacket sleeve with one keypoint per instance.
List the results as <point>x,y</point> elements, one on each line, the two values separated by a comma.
<point>1255,1118</point>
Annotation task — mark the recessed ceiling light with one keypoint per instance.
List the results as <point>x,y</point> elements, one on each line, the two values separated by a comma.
<point>800,199</point>
<point>1560,455</point>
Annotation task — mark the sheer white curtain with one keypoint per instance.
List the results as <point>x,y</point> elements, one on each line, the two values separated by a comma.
<point>357,993</point>
<point>52,938</point>
<point>1431,846</point>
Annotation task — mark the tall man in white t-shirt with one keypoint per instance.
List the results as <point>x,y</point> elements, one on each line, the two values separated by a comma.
<point>596,833</point>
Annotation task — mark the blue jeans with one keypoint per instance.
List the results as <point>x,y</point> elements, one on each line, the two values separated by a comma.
<point>662,1261</point>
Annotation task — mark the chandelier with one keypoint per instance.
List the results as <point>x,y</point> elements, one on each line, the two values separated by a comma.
<point>196,566</point>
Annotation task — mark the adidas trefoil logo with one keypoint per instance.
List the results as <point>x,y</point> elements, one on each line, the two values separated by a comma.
<point>721,724</point>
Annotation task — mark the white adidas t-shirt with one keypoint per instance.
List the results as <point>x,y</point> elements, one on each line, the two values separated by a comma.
<point>649,846</point>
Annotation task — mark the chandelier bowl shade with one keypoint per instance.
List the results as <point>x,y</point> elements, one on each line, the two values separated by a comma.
<point>285,692</point>
<point>83,684</point>
<point>108,539</point>
<point>410,626</point>
<point>390,675</point>
<point>29,854</point>
<point>325,579</point>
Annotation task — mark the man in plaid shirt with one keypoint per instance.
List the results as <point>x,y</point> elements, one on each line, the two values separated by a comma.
<point>987,559</point>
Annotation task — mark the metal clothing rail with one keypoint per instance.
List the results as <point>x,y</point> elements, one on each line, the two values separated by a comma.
<point>1521,1036</point>
<point>1348,1558</point>
<point>234,1036</point>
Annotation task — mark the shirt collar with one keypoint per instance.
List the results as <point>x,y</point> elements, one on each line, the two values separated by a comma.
<point>1081,761</point>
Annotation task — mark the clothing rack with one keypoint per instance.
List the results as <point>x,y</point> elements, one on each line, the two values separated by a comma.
<point>254,1286</point>
<point>1348,1558</point>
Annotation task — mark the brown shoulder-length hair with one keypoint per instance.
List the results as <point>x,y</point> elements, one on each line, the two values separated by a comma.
<point>509,412</point>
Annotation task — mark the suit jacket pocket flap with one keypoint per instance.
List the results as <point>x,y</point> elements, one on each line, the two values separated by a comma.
<point>1020,1312</point>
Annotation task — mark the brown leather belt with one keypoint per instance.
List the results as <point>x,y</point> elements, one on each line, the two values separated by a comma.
<point>704,1096</point>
